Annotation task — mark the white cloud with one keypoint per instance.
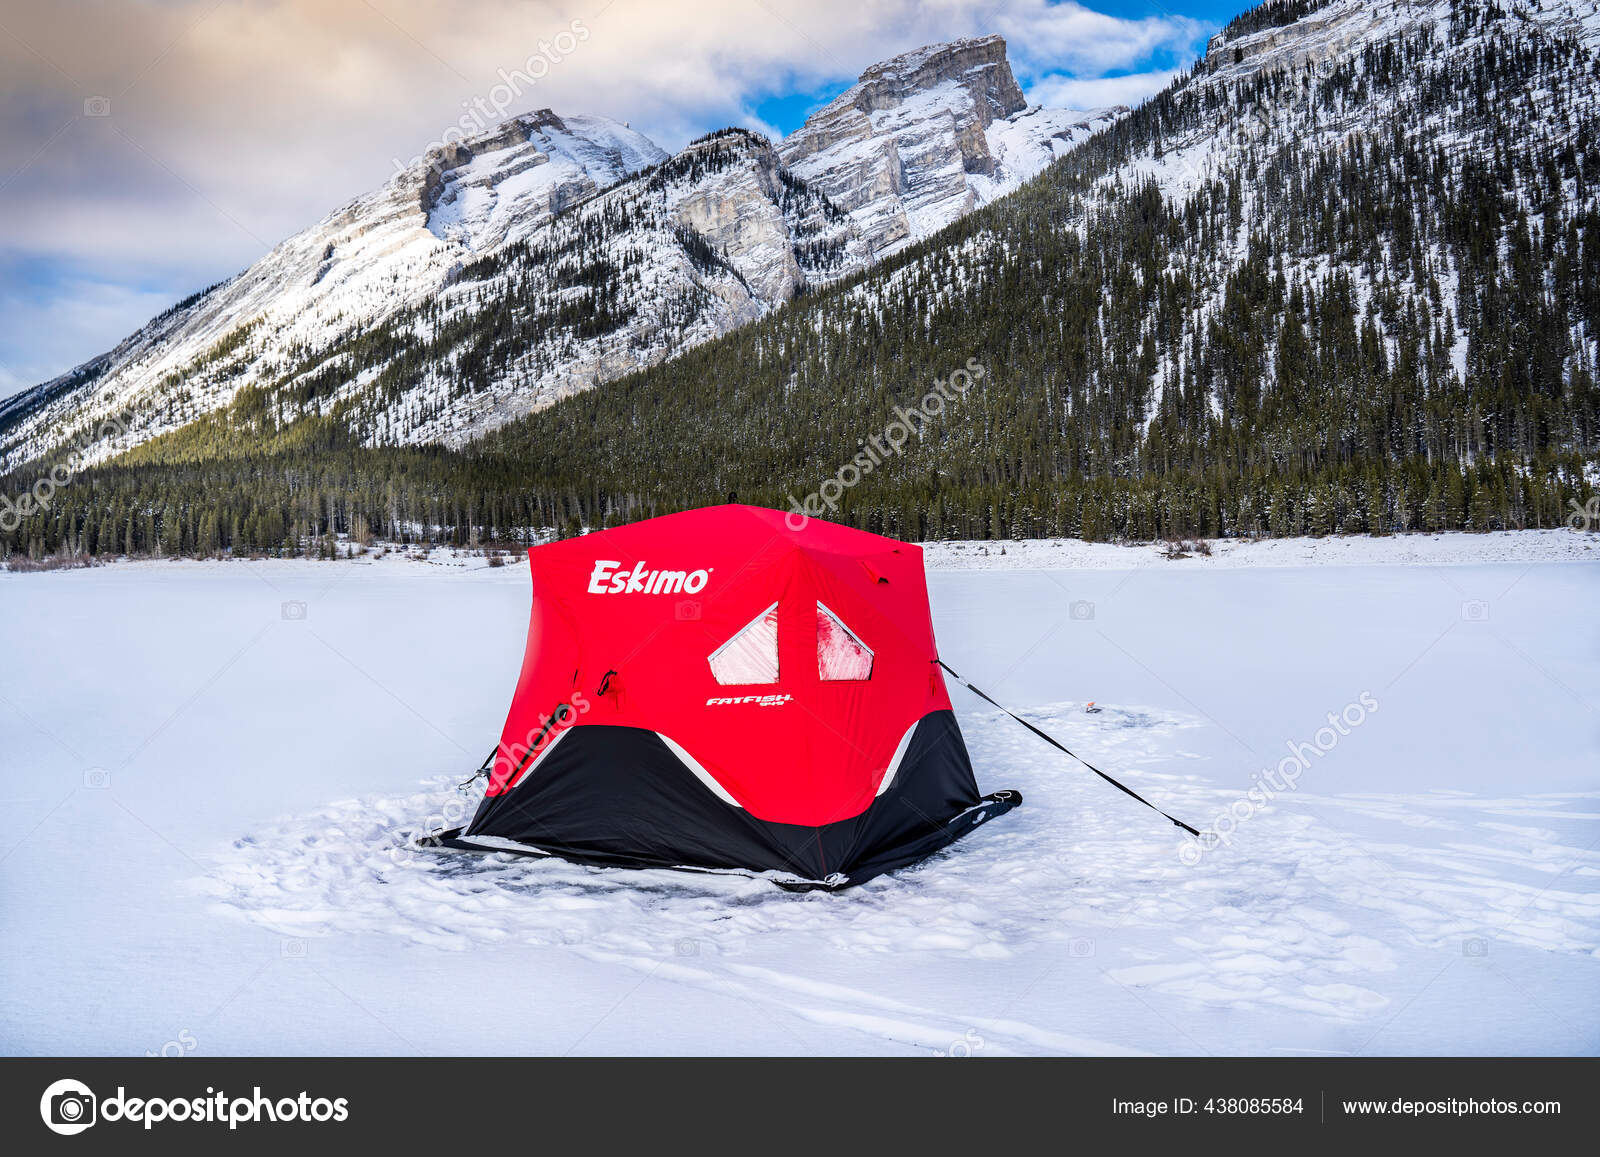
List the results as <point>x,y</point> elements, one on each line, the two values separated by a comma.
<point>750,120</point>
<point>1099,92</point>
<point>47,330</point>
<point>1077,39</point>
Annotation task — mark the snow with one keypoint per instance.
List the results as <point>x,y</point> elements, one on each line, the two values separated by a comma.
<point>1451,548</point>
<point>495,196</point>
<point>1025,142</point>
<point>212,768</point>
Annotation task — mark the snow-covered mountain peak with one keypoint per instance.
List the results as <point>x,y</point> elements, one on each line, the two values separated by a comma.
<point>488,189</point>
<point>978,65</point>
<point>928,136</point>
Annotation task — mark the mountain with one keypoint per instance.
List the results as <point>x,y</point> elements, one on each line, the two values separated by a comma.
<point>383,252</point>
<point>1343,276</point>
<point>929,136</point>
<point>551,254</point>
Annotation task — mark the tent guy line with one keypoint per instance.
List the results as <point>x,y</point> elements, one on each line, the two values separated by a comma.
<point>1122,787</point>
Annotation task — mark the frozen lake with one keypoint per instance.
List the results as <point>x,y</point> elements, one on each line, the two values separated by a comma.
<point>207,764</point>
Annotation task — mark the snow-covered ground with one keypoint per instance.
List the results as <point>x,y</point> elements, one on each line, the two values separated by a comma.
<point>1443,549</point>
<point>206,766</point>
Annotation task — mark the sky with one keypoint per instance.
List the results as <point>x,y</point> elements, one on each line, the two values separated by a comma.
<point>149,148</point>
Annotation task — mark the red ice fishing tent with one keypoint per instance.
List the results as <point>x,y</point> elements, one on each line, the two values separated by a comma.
<point>721,689</point>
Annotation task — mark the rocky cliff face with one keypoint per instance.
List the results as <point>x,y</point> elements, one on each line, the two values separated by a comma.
<point>926,137</point>
<point>553,253</point>
<point>739,214</point>
<point>699,245</point>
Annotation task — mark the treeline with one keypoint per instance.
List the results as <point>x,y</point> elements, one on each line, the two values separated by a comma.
<point>297,505</point>
<point>287,504</point>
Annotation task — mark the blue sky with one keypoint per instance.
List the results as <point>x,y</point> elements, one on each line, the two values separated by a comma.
<point>149,150</point>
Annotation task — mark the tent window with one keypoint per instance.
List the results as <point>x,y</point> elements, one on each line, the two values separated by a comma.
<point>751,656</point>
<point>840,654</point>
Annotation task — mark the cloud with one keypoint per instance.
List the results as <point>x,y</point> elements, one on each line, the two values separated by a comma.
<point>232,126</point>
<point>1073,38</point>
<point>1100,91</point>
<point>51,319</point>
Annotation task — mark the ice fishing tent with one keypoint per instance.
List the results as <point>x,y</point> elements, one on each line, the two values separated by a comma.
<point>720,689</point>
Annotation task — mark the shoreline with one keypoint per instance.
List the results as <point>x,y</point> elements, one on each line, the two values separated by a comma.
<point>1442,548</point>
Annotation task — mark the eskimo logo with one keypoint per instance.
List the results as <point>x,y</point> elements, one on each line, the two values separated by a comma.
<point>608,578</point>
